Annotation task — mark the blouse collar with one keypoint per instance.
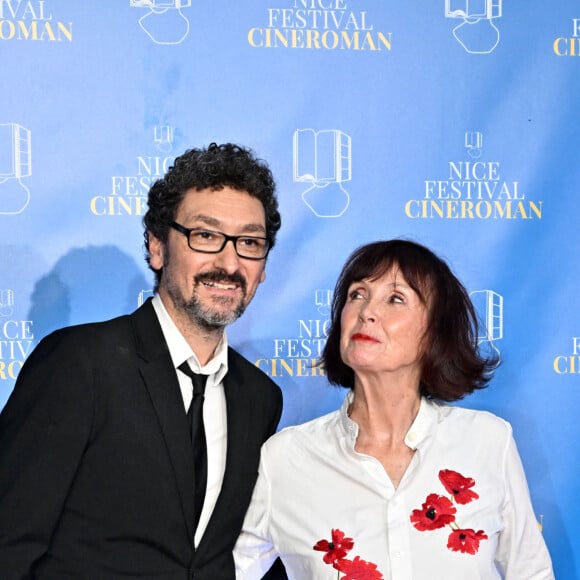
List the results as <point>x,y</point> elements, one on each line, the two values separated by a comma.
<point>429,415</point>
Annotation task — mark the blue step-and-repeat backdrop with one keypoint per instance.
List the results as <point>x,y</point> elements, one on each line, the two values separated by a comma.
<point>450,122</point>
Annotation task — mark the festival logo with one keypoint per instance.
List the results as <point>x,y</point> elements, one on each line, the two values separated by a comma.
<point>143,296</point>
<point>569,364</point>
<point>16,338</point>
<point>474,189</point>
<point>128,193</point>
<point>489,308</point>
<point>569,45</point>
<point>476,31</point>
<point>6,302</point>
<point>163,22</point>
<point>473,144</point>
<point>32,20</point>
<point>15,164</point>
<point>323,159</point>
<point>297,356</point>
<point>319,25</point>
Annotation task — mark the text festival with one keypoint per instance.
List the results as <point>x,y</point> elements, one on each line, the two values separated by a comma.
<point>473,190</point>
<point>128,194</point>
<point>16,338</point>
<point>27,20</point>
<point>319,25</point>
<point>298,356</point>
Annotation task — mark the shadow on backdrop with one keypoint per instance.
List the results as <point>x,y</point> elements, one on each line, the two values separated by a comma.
<point>86,285</point>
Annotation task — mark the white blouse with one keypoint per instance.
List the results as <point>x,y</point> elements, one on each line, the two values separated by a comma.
<point>462,510</point>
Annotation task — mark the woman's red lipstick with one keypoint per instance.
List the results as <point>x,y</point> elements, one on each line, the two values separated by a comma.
<point>363,337</point>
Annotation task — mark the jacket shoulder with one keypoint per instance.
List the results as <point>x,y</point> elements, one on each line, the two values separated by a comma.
<point>239,364</point>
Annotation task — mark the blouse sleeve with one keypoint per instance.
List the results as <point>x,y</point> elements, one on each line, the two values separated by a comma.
<point>254,552</point>
<point>522,552</point>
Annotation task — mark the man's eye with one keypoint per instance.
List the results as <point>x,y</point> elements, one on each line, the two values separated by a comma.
<point>257,244</point>
<point>203,235</point>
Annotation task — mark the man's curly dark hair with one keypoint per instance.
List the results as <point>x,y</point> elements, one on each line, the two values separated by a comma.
<point>214,167</point>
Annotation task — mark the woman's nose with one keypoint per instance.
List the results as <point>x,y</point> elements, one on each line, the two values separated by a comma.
<point>367,312</point>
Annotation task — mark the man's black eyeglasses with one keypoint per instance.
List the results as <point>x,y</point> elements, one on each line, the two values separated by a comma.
<point>211,242</point>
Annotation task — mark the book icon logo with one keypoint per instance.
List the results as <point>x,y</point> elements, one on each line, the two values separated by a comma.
<point>476,32</point>
<point>489,307</point>
<point>6,302</point>
<point>164,22</point>
<point>15,164</point>
<point>323,159</point>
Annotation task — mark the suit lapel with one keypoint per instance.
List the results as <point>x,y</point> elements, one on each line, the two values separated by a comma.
<point>156,368</point>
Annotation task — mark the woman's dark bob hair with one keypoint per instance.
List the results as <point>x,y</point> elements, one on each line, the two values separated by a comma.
<point>452,364</point>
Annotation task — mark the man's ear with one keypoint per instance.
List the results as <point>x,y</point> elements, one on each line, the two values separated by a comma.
<point>156,252</point>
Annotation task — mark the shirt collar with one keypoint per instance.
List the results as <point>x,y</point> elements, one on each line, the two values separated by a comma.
<point>425,423</point>
<point>180,350</point>
<point>429,415</point>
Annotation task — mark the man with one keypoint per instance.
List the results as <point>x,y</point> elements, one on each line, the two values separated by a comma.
<point>97,473</point>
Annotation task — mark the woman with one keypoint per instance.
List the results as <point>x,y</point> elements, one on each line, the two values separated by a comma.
<point>396,484</point>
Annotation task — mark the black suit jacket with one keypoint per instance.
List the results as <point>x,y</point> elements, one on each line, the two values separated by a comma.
<point>96,470</point>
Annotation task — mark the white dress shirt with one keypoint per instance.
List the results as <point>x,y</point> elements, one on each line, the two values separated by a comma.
<point>312,481</point>
<point>214,406</point>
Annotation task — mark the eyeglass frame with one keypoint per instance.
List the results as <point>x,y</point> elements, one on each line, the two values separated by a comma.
<point>234,239</point>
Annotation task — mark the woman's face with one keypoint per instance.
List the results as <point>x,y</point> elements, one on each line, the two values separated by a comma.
<point>383,322</point>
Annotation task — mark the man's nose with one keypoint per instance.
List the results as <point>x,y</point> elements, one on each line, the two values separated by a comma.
<point>228,258</point>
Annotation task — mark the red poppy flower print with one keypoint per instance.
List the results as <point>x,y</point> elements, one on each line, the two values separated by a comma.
<point>336,549</point>
<point>436,512</point>
<point>458,486</point>
<point>358,569</point>
<point>466,541</point>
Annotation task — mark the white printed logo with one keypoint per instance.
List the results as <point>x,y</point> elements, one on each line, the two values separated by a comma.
<point>143,296</point>
<point>473,143</point>
<point>15,163</point>
<point>164,23</point>
<point>323,301</point>
<point>476,32</point>
<point>163,138</point>
<point>489,307</point>
<point>6,302</point>
<point>323,159</point>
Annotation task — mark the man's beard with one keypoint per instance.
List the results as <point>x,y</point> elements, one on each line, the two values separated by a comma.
<point>206,316</point>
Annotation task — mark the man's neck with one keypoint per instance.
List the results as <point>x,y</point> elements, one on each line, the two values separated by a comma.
<point>202,340</point>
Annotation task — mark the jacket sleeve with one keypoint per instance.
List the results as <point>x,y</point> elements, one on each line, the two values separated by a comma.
<point>44,429</point>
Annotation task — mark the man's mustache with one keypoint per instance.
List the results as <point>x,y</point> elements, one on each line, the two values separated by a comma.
<point>221,276</point>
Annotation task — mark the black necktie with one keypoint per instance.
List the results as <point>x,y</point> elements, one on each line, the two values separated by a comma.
<point>197,433</point>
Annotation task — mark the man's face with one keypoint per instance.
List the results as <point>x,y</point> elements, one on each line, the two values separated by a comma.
<point>210,290</point>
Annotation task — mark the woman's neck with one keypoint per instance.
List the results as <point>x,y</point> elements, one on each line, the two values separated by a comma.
<point>384,416</point>
<point>384,410</point>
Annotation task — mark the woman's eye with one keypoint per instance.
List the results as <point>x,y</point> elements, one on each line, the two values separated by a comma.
<point>355,295</point>
<point>396,299</point>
